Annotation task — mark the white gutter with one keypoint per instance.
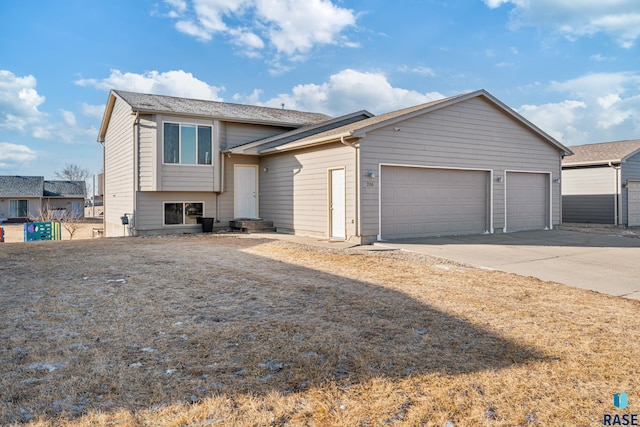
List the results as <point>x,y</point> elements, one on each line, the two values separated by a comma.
<point>617,207</point>
<point>136,124</point>
<point>357,159</point>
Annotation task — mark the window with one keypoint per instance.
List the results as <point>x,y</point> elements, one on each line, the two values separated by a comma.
<point>187,144</point>
<point>182,213</point>
<point>19,208</point>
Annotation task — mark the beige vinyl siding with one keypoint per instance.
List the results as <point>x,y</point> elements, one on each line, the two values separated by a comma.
<point>471,134</point>
<point>237,134</point>
<point>151,208</point>
<point>177,177</point>
<point>225,199</point>
<point>148,153</point>
<point>118,158</point>
<point>630,171</point>
<point>294,192</point>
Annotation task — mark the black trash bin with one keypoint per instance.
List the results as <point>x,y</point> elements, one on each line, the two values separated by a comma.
<point>207,225</point>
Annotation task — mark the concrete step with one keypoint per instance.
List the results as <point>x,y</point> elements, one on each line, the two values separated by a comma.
<point>251,225</point>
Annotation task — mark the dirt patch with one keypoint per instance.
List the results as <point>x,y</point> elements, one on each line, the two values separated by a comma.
<point>218,330</point>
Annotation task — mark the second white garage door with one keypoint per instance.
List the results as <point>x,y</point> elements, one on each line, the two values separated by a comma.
<point>527,201</point>
<point>419,202</point>
<point>633,203</point>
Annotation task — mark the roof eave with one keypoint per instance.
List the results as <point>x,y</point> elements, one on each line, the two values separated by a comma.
<point>106,118</point>
<point>309,143</point>
<point>593,163</point>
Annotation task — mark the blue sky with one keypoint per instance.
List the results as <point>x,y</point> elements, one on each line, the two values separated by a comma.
<point>569,66</point>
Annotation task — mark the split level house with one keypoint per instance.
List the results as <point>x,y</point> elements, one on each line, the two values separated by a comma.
<point>461,165</point>
<point>24,198</point>
<point>601,184</point>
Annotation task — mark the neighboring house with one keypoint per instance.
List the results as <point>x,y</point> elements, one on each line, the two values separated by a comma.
<point>461,165</point>
<point>601,184</point>
<point>20,197</point>
<point>65,197</point>
<point>25,197</point>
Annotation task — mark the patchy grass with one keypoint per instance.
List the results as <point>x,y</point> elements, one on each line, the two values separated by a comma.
<point>226,331</point>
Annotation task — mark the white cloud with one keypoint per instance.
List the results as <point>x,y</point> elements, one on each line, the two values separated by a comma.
<point>559,120</point>
<point>575,18</point>
<point>95,111</point>
<point>19,101</point>
<point>291,28</point>
<point>13,154</point>
<point>424,71</point>
<point>346,92</point>
<point>172,83</point>
<point>599,107</point>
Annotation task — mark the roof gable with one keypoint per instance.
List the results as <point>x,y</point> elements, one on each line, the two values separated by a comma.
<point>21,186</point>
<point>602,153</point>
<point>359,129</point>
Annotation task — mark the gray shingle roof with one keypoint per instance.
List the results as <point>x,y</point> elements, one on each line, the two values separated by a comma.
<point>21,186</point>
<point>219,110</point>
<point>359,128</point>
<point>602,153</point>
<point>68,189</point>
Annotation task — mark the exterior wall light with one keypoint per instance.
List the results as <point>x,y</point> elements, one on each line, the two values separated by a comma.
<point>499,178</point>
<point>371,173</point>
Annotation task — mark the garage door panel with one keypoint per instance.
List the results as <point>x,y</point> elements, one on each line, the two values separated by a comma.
<point>426,202</point>
<point>633,203</point>
<point>527,198</point>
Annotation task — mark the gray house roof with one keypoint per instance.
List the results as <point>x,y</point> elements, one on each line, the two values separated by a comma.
<point>602,153</point>
<point>21,186</point>
<point>65,189</point>
<point>160,104</point>
<point>296,134</point>
<point>360,128</point>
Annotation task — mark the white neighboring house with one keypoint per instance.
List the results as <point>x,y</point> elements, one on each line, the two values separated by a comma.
<point>601,184</point>
<point>460,165</point>
<point>22,198</point>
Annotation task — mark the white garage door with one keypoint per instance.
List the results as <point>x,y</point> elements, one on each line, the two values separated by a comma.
<point>633,203</point>
<point>527,201</point>
<point>418,202</point>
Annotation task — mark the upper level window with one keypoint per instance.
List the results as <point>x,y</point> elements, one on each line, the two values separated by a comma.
<point>187,144</point>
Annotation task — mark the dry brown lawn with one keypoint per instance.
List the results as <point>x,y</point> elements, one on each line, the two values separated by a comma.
<point>227,331</point>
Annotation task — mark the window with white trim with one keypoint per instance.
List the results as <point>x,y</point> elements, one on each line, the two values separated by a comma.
<point>182,213</point>
<point>19,208</point>
<point>187,144</point>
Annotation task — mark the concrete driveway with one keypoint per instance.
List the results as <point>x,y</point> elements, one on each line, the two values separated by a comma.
<point>600,262</point>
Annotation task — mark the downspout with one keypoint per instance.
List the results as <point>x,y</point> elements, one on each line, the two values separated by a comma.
<point>617,208</point>
<point>136,127</point>
<point>357,160</point>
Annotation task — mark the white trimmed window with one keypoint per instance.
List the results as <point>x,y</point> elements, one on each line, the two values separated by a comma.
<point>19,208</point>
<point>187,144</point>
<point>182,213</point>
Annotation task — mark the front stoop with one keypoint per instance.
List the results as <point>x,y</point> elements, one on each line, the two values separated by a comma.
<point>249,225</point>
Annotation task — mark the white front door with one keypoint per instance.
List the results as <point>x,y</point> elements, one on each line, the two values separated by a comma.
<point>245,191</point>
<point>336,204</point>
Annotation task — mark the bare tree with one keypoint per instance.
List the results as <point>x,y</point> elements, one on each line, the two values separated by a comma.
<point>73,172</point>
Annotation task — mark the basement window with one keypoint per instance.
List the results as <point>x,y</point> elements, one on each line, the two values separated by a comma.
<point>182,213</point>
